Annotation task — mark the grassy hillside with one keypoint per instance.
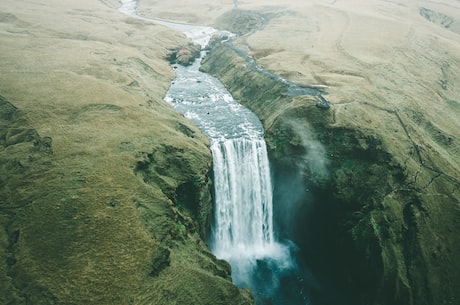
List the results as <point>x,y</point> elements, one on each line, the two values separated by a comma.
<point>104,188</point>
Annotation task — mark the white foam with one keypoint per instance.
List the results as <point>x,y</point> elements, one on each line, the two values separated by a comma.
<point>243,231</point>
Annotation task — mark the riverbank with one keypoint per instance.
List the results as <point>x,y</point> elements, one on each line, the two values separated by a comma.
<point>88,214</point>
<point>94,164</point>
<point>366,55</point>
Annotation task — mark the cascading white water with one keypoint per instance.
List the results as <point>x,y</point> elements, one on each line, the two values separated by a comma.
<point>243,227</point>
<point>244,214</point>
<point>243,232</point>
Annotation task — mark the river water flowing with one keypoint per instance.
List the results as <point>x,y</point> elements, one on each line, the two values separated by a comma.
<point>243,230</point>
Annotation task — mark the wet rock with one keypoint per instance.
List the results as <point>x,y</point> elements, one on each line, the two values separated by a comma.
<point>185,55</point>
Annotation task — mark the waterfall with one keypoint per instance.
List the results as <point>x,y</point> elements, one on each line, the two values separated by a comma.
<point>244,214</point>
<point>243,224</point>
<point>243,231</point>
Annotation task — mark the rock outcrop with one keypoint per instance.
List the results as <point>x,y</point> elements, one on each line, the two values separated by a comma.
<point>185,55</point>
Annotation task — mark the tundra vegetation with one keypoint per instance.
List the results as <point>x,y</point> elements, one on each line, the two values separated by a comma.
<point>105,191</point>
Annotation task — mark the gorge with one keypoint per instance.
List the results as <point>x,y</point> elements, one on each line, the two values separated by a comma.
<point>108,195</point>
<point>243,230</point>
<point>374,222</point>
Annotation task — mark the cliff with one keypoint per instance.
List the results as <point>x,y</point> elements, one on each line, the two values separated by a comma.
<point>368,189</point>
<point>104,189</point>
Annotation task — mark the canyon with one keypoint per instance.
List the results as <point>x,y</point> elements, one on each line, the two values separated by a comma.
<point>106,192</point>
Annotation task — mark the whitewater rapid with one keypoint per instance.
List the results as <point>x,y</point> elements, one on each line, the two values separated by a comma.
<point>243,230</point>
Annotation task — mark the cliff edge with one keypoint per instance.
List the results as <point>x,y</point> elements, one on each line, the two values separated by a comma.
<point>367,188</point>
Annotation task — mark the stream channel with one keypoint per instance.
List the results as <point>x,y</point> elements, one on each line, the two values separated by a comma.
<point>243,229</point>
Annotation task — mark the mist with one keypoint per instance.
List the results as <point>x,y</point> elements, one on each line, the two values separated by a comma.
<point>313,161</point>
<point>295,173</point>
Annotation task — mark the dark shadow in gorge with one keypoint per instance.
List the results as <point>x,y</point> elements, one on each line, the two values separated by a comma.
<point>374,231</point>
<point>308,218</point>
<point>325,217</point>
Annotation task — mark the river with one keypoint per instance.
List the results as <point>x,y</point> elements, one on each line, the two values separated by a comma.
<point>243,230</point>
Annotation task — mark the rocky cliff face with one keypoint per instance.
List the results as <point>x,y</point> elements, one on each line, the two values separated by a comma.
<point>104,189</point>
<point>374,226</point>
